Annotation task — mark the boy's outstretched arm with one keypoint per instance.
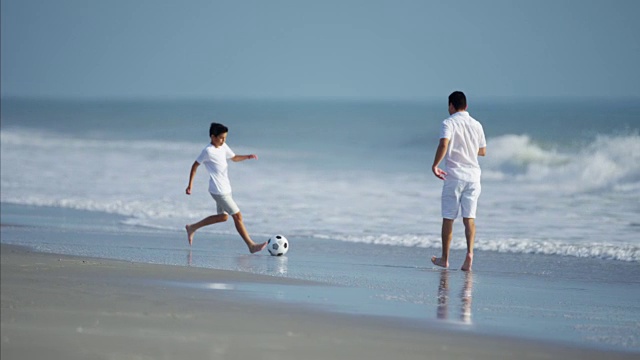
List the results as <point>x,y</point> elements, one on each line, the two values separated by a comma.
<point>244,157</point>
<point>192,174</point>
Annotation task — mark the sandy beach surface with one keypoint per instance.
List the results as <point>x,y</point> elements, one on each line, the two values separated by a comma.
<point>65,307</point>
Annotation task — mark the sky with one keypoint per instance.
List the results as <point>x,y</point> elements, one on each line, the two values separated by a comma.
<point>368,49</point>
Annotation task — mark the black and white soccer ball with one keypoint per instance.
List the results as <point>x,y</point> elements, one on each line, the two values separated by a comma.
<point>278,245</point>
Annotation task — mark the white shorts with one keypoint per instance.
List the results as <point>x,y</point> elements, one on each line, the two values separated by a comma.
<point>225,204</point>
<point>458,195</point>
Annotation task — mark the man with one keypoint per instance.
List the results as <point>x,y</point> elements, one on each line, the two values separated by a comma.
<point>461,142</point>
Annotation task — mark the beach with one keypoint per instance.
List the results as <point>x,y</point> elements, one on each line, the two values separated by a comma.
<point>78,284</point>
<point>69,307</point>
<point>96,262</point>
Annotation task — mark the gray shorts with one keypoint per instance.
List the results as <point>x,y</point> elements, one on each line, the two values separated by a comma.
<point>226,204</point>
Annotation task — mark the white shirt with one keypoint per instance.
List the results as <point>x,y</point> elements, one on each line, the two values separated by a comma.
<point>466,137</point>
<point>215,160</point>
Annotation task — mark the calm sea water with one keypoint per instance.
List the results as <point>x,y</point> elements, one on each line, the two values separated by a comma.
<point>560,178</point>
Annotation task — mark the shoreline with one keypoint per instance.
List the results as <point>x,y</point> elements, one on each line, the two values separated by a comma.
<point>72,307</point>
<point>543,299</point>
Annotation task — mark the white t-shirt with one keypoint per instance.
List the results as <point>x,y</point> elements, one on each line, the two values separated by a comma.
<point>215,160</point>
<point>466,137</point>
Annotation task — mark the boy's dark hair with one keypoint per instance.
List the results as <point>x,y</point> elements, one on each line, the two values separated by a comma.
<point>458,100</point>
<point>217,129</point>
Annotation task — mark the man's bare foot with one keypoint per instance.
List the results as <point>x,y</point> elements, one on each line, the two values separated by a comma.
<point>439,262</point>
<point>257,247</point>
<point>467,262</point>
<point>189,233</point>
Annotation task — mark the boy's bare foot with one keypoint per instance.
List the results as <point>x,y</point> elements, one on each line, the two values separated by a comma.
<point>189,233</point>
<point>439,262</point>
<point>467,262</point>
<point>257,247</point>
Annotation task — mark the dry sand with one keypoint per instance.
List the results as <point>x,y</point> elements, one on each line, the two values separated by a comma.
<point>63,307</point>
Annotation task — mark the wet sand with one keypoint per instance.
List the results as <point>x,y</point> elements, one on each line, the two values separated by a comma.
<point>65,307</point>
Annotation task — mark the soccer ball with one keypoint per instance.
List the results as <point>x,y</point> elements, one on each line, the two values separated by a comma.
<point>278,245</point>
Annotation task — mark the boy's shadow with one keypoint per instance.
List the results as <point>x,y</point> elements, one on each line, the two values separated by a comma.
<point>442,311</point>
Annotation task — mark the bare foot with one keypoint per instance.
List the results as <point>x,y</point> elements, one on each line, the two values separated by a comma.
<point>439,262</point>
<point>467,262</point>
<point>257,247</point>
<point>189,233</point>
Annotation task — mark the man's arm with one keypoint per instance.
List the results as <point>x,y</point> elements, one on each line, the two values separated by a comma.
<point>440,153</point>
<point>192,174</point>
<point>244,157</point>
<point>482,151</point>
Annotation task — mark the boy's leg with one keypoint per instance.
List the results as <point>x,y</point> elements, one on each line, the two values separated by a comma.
<point>470,234</point>
<point>447,235</point>
<point>253,247</point>
<point>213,219</point>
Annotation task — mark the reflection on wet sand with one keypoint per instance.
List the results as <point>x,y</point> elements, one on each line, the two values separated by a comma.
<point>278,265</point>
<point>253,264</point>
<point>442,311</point>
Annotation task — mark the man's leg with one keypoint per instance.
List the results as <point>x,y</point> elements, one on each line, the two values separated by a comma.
<point>447,235</point>
<point>213,219</point>
<point>469,204</point>
<point>470,234</point>
<point>253,247</point>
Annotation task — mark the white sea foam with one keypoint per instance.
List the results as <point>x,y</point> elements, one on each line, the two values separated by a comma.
<point>626,252</point>
<point>535,200</point>
<point>606,162</point>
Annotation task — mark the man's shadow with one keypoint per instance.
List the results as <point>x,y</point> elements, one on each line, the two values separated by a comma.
<point>465,295</point>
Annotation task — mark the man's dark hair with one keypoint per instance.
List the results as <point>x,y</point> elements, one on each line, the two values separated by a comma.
<point>458,100</point>
<point>217,129</point>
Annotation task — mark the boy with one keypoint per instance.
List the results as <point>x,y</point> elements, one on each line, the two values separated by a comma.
<point>461,142</point>
<point>214,157</point>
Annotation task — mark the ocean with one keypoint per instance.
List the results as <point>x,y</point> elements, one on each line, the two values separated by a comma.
<point>559,178</point>
<point>349,184</point>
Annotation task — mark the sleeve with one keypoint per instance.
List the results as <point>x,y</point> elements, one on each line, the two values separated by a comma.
<point>445,130</point>
<point>203,155</point>
<point>228,151</point>
<point>482,142</point>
